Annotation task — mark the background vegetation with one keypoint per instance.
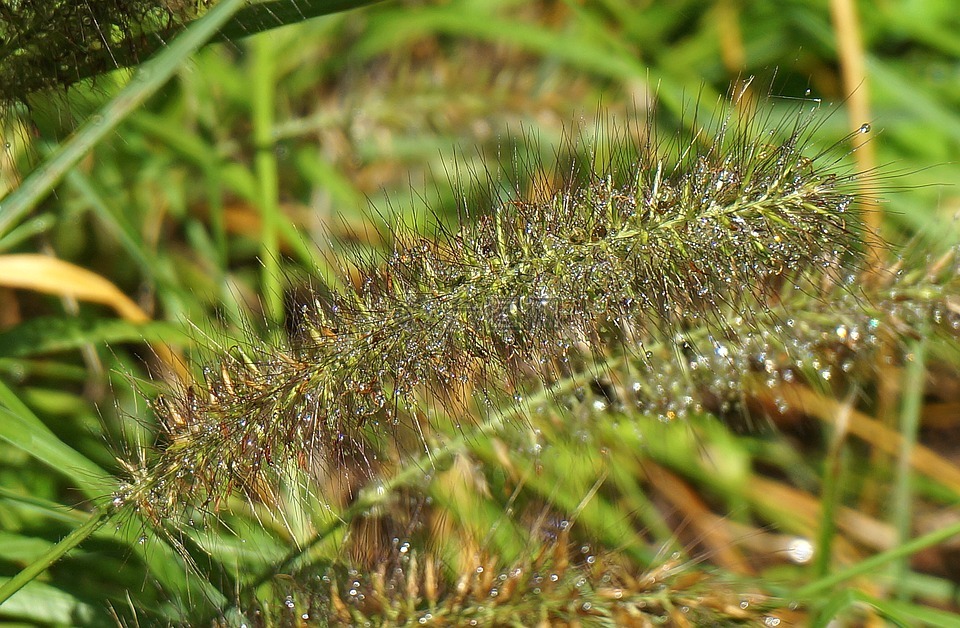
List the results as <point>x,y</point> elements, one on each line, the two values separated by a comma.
<point>197,220</point>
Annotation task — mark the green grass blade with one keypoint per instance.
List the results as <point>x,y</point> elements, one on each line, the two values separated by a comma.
<point>264,16</point>
<point>23,429</point>
<point>43,604</point>
<point>818,587</point>
<point>263,71</point>
<point>903,495</point>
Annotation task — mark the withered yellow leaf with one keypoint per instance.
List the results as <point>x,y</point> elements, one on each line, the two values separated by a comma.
<point>54,276</point>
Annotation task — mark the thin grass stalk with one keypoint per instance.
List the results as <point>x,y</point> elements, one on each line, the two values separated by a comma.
<point>264,92</point>
<point>855,84</point>
<point>912,407</point>
<point>833,473</point>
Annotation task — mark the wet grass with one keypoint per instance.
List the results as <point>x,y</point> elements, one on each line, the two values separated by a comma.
<point>188,218</point>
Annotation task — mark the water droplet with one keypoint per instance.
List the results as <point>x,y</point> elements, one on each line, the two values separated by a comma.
<point>865,128</point>
<point>800,551</point>
<point>770,620</point>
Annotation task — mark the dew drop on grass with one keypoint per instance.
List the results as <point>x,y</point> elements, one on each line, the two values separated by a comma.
<point>800,551</point>
<point>865,127</point>
<point>770,620</point>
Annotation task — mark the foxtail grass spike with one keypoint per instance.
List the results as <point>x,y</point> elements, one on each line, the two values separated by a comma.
<point>633,250</point>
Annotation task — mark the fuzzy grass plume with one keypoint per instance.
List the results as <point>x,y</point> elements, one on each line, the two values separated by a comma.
<point>548,412</point>
<point>48,46</point>
<point>52,45</point>
<point>557,583</point>
<point>620,255</point>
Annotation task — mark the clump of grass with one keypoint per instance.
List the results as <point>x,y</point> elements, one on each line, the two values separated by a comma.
<point>519,393</point>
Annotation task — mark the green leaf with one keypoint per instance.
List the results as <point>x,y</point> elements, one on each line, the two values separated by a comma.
<point>23,429</point>
<point>43,604</point>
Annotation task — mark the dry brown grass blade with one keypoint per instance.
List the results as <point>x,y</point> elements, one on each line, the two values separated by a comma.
<point>720,543</point>
<point>922,459</point>
<point>852,59</point>
<point>49,275</point>
<point>805,510</point>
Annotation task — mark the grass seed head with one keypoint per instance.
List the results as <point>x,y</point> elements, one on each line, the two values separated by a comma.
<point>660,241</point>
